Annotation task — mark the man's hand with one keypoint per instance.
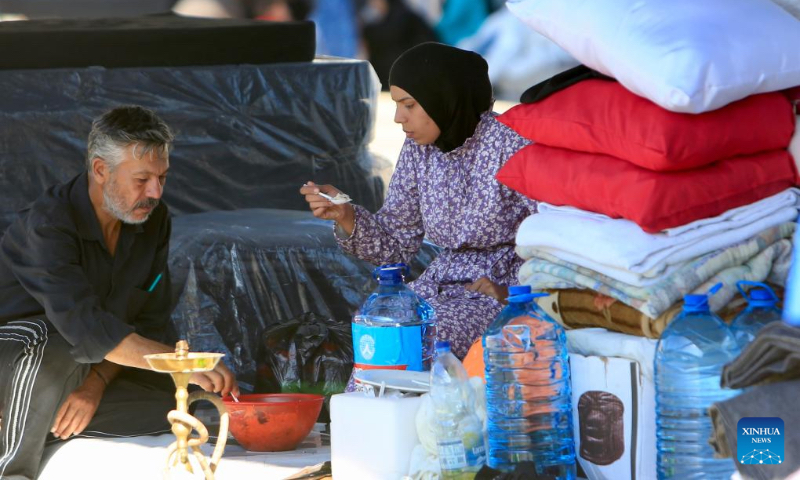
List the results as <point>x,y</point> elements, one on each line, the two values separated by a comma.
<point>78,409</point>
<point>487,287</point>
<point>220,380</point>
<point>132,349</point>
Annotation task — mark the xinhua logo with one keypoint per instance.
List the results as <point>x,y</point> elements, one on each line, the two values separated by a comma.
<point>760,441</point>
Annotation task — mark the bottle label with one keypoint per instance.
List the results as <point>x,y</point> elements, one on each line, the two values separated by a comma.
<point>452,455</point>
<point>388,347</point>
<point>477,455</point>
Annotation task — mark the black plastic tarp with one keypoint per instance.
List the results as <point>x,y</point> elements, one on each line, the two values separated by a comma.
<point>152,41</point>
<point>247,136</point>
<point>236,274</point>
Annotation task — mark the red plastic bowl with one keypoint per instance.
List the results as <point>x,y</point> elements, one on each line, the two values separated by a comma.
<point>272,422</point>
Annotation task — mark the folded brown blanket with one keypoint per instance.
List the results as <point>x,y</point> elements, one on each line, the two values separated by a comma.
<point>577,308</point>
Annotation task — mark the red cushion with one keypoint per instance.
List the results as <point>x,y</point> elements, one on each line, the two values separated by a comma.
<point>654,200</point>
<point>601,116</point>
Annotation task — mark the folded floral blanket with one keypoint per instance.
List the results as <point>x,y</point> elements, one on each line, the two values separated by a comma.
<point>764,257</point>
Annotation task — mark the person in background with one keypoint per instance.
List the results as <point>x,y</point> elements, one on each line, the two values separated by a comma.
<point>85,294</point>
<point>267,10</point>
<point>337,27</point>
<point>389,28</point>
<point>461,19</point>
<point>443,189</point>
<point>281,10</point>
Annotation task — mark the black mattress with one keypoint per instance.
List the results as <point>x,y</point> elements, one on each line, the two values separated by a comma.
<point>34,9</point>
<point>237,274</point>
<point>247,136</point>
<point>152,41</point>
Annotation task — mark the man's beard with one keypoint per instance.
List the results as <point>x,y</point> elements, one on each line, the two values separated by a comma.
<point>114,204</point>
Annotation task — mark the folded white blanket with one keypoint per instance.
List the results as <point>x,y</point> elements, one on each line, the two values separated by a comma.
<point>621,250</point>
<point>742,215</point>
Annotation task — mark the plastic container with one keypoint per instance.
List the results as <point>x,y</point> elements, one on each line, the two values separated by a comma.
<point>372,438</point>
<point>395,328</point>
<point>761,309</point>
<point>791,296</point>
<point>528,389</point>
<point>689,358</point>
<point>459,431</point>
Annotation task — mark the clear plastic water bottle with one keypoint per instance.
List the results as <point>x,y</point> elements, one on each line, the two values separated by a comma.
<point>528,389</point>
<point>689,358</point>
<point>395,328</point>
<point>761,309</point>
<point>459,431</point>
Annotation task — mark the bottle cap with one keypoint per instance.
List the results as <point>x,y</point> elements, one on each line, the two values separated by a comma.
<point>695,303</point>
<point>526,297</point>
<point>699,303</point>
<point>519,290</point>
<point>759,296</point>
<point>391,274</point>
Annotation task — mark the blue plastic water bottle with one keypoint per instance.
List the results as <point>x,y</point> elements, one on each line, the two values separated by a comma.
<point>458,429</point>
<point>689,360</point>
<point>761,309</point>
<point>528,389</point>
<point>791,304</point>
<point>395,328</point>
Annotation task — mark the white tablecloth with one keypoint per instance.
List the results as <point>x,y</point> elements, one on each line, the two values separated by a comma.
<point>145,457</point>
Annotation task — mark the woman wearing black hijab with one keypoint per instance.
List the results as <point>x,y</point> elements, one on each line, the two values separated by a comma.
<point>444,189</point>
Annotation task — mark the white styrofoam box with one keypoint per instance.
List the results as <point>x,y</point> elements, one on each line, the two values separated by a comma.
<point>599,342</point>
<point>597,379</point>
<point>372,438</point>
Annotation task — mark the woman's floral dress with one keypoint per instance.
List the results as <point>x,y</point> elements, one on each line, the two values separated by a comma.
<point>453,200</point>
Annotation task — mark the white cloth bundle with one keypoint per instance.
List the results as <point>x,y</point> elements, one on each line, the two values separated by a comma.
<point>621,250</point>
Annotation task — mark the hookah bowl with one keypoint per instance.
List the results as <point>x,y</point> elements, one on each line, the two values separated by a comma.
<point>181,365</point>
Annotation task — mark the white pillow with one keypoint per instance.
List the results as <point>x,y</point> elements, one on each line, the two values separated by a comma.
<point>685,55</point>
<point>791,6</point>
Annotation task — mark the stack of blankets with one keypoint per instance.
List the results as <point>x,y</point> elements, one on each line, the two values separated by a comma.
<point>669,172</point>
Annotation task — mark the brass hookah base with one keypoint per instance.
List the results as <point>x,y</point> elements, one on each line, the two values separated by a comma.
<point>182,365</point>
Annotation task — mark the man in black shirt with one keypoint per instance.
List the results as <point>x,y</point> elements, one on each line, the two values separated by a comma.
<point>84,294</point>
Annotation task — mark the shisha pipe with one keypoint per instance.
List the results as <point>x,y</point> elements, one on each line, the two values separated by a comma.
<point>181,365</point>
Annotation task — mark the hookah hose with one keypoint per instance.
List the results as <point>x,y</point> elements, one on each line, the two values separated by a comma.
<point>195,442</point>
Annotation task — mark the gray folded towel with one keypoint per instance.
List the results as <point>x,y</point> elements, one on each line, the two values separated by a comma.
<point>773,355</point>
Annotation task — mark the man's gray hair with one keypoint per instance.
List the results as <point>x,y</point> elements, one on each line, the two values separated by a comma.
<point>123,126</point>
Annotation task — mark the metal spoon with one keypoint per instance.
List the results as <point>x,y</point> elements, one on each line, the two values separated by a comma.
<point>339,199</point>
